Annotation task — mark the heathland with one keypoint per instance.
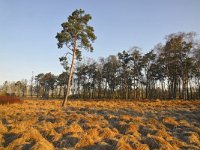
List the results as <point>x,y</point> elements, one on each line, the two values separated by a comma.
<point>124,125</point>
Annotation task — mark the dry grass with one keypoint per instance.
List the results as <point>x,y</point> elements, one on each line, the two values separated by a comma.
<point>9,100</point>
<point>100,125</point>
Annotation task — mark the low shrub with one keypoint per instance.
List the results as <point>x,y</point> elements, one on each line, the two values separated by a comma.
<point>9,100</point>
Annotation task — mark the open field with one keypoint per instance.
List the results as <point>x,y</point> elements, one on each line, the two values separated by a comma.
<point>100,125</point>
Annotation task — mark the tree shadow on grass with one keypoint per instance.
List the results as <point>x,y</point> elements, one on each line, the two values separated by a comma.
<point>10,137</point>
<point>66,142</point>
<point>28,145</point>
<point>99,146</point>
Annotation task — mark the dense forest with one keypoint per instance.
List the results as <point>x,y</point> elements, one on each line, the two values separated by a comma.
<point>171,70</point>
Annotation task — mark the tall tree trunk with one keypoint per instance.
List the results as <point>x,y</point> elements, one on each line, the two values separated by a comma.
<point>99,90</point>
<point>179,89</point>
<point>146,90</point>
<point>135,92</point>
<point>70,75</point>
<point>169,89</point>
<point>126,90</point>
<point>31,90</point>
<point>78,90</point>
<point>59,93</point>
<point>199,91</point>
<point>174,88</point>
<point>187,90</point>
<point>105,89</point>
<point>52,90</point>
<point>191,94</point>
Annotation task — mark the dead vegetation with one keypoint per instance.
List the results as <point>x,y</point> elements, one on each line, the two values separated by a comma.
<point>9,100</point>
<point>100,125</point>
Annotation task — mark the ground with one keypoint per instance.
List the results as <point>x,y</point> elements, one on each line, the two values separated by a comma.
<point>100,125</point>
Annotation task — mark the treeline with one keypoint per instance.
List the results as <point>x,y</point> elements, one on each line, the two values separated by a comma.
<point>169,71</point>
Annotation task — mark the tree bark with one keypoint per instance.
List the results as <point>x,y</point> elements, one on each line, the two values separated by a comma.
<point>70,75</point>
<point>199,92</point>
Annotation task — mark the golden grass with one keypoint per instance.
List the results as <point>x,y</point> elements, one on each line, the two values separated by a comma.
<point>170,120</point>
<point>90,137</point>
<point>122,125</point>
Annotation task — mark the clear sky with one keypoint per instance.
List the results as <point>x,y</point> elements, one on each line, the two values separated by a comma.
<point>28,29</point>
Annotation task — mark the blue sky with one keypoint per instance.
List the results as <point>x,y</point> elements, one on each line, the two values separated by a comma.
<point>28,29</point>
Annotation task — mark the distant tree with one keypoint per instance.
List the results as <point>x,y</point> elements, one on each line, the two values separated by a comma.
<point>12,88</point>
<point>24,84</point>
<point>31,84</point>
<point>158,71</point>
<point>91,74</point>
<point>48,81</point>
<point>136,68</point>
<point>61,82</point>
<point>99,77</point>
<point>110,73</point>
<point>76,34</point>
<point>18,86</point>
<point>147,60</point>
<point>124,73</point>
<point>4,88</point>
<point>177,59</point>
<point>39,84</point>
<point>196,69</point>
<point>81,72</point>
